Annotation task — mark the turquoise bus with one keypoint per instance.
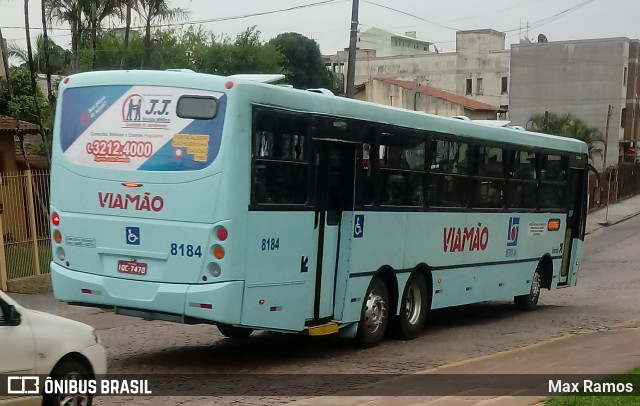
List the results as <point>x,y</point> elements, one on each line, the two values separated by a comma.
<point>237,202</point>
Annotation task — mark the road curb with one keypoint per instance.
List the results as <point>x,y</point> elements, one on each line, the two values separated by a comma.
<point>620,220</point>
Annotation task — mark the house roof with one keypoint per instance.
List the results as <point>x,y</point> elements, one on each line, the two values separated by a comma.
<point>9,125</point>
<point>467,103</point>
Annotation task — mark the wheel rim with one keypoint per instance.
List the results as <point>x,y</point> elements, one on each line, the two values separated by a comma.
<point>375,311</point>
<point>535,287</point>
<point>413,304</point>
<point>73,400</point>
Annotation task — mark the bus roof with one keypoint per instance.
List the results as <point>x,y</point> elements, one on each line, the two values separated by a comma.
<point>323,104</point>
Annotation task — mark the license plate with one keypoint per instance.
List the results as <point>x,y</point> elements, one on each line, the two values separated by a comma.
<point>132,267</point>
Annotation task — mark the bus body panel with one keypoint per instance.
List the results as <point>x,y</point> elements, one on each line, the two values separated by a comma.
<point>576,260</point>
<point>222,301</point>
<point>281,251</point>
<point>269,271</point>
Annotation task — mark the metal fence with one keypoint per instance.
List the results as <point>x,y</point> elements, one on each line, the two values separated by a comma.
<point>25,244</point>
<point>614,184</point>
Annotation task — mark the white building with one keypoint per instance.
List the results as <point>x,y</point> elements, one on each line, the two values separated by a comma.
<point>478,69</point>
<point>386,43</point>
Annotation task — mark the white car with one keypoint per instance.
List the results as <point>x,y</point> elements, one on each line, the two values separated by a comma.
<point>37,343</point>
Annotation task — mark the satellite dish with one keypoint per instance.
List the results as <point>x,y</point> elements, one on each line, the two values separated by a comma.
<point>542,38</point>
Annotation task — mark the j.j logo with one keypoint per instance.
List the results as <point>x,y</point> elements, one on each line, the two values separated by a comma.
<point>512,232</point>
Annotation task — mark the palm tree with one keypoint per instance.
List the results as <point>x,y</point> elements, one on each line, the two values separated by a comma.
<point>97,11</point>
<point>70,12</point>
<point>47,65</point>
<point>3,52</point>
<point>156,10</point>
<point>570,126</point>
<point>129,5</point>
<point>32,72</point>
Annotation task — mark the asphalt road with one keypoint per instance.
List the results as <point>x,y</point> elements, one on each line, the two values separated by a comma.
<point>606,295</point>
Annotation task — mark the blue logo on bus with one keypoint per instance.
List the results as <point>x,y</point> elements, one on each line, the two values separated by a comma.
<point>512,232</point>
<point>133,235</point>
<point>358,226</point>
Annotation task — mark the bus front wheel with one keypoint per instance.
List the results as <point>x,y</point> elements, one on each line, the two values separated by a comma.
<point>529,301</point>
<point>413,308</point>
<point>234,332</point>
<point>374,316</point>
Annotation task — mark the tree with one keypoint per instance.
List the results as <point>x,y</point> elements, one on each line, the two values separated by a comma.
<point>128,6</point>
<point>59,58</point>
<point>16,100</point>
<point>32,74</point>
<point>244,54</point>
<point>70,12</point>
<point>303,61</point>
<point>569,126</point>
<point>155,10</point>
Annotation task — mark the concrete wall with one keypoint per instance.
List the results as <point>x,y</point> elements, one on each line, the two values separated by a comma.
<point>577,77</point>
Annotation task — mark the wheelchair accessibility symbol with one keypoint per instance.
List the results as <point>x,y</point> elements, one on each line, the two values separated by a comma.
<point>358,226</point>
<point>133,235</point>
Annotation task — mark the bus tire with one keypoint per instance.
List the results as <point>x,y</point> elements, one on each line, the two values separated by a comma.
<point>233,331</point>
<point>529,301</point>
<point>414,307</point>
<point>374,316</point>
<point>69,370</point>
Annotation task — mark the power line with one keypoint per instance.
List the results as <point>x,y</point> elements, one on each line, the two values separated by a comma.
<point>217,19</point>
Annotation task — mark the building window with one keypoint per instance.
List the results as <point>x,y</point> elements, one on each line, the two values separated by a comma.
<point>479,86</point>
<point>469,86</point>
<point>623,117</point>
<point>505,84</point>
<point>624,77</point>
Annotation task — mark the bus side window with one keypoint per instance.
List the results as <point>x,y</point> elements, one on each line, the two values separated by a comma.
<point>366,191</point>
<point>448,182</point>
<point>280,167</point>
<point>402,168</point>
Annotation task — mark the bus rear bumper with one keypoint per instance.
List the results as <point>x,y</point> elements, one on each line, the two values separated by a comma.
<point>216,302</point>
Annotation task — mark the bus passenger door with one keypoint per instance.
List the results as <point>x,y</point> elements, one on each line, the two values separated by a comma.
<point>334,196</point>
<point>576,194</point>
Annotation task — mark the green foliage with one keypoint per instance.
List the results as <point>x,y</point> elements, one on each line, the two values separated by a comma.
<point>303,61</point>
<point>192,48</point>
<point>59,58</point>
<point>245,54</point>
<point>569,126</point>
<point>21,105</point>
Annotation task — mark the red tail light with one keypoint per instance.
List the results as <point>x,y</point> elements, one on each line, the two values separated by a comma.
<point>55,219</point>
<point>221,233</point>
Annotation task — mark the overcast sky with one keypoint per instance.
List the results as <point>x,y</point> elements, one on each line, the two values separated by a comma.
<point>434,21</point>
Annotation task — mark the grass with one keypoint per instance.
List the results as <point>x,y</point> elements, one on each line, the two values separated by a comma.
<point>19,259</point>
<point>631,377</point>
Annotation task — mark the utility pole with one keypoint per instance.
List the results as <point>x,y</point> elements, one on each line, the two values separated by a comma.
<point>353,37</point>
<point>604,164</point>
<point>606,140</point>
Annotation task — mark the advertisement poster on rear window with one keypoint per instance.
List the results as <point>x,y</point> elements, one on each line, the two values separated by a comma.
<point>142,128</point>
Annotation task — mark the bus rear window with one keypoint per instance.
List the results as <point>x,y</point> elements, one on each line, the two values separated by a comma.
<point>197,107</point>
<point>143,128</point>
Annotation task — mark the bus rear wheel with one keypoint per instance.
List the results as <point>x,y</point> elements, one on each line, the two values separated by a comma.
<point>234,332</point>
<point>374,316</point>
<point>413,308</point>
<point>529,301</point>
